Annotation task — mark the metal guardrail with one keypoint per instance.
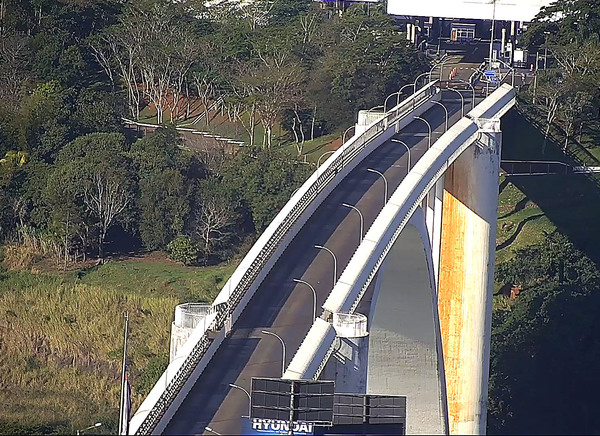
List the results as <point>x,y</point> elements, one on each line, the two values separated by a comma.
<point>224,310</point>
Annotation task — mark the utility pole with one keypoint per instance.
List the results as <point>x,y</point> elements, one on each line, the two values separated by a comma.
<point>492,34</point>
<point>123,421</point>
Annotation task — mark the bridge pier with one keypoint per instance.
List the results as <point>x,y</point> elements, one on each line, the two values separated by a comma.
<point>466,278</point>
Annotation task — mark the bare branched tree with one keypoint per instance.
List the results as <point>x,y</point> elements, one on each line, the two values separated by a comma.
<point>105,199</point>
<point>13,71</point>
<point>214,221</point>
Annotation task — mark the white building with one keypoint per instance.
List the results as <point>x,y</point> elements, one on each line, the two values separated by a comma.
<point>503,10</point>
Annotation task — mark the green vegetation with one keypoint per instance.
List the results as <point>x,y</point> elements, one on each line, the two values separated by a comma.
<point>545,349</point>
<point>62,338</point>
<point>286,76</point>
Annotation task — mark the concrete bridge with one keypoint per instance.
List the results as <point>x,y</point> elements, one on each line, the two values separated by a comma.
<point>399,225</point>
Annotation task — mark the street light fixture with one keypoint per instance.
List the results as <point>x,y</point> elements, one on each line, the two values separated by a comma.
<point>400,92</point>
<point>376,107</point>
<point>282,346</point>
<point>445,110</point>
<point>407,149</point>
<point>98,424</point>
<point>417,79</point>
<point>385,184</point>
<point>472,90</point>
<point>314,296</point>
<point>324,154</point>
<point>346,131</point>
<point>321,247</point>
<point>212,431</point>
<point>462,101</point>
<point>247,394</point>
<point>428,129</point>
<point>362,220</point>
<point>492,35</point>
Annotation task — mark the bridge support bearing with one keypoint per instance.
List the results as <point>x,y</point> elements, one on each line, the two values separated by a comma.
<point>466,280</point>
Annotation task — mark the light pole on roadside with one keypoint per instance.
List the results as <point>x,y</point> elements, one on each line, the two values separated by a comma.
<point>400,92</point>
<point>417,79</point>
<point>282,347</point>
<point>314,296</point>
<point>324,154</point>
<point>462,101</point>
<point>428,129</point>
<point>346,131</point>
<point>407,149</point>
<point>212,431</point>
<point>385,184</point>
<point>321,247</point>
<point>472,90</point>
<point>492,34</point>
<point>98,424</point>
<point>362,220</point>
<point>247,394</point>
<point>445,111</point>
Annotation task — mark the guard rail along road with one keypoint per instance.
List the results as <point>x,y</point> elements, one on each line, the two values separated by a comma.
<point>310,359</point>
<point>174,384</point>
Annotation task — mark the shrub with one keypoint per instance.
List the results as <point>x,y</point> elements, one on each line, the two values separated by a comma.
<point>183,249</point>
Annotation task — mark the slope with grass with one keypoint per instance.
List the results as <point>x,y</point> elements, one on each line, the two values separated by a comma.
<point>61,338</point>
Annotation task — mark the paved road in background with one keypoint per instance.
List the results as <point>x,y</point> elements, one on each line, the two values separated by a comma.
<point>284,307</point>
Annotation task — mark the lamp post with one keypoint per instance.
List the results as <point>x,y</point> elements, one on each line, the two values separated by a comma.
<point>400,92</point>
<point>324,154</point>
<point>247,394</point>
<point>462,101</point>
<point>385,184</point>
<point>212,431</point>
<point>362,220</point>
<point>282,347</point>
<point>417,79</point>
<point>472,90</point>
<point>445,111</point>
<point>98,424</point>
<point>407,149</point>
<point>387,98</point>
<point>492,35</point>
<point>314,296</point>
<point>376,107</point>
<point>545,49</point>
<point>346,131</point>
<point>321,247</point>
<point>428,129</point>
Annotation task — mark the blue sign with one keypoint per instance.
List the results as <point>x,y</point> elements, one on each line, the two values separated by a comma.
<point>490,73</point>
<point>258,426</point>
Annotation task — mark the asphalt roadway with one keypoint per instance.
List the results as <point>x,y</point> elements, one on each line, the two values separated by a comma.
<point>284,307</point>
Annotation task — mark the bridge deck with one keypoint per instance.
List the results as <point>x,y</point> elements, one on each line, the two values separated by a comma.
<point>285,308</point>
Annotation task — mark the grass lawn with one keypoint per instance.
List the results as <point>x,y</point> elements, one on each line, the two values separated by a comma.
<point>61,338</point>
<point>532,206</point>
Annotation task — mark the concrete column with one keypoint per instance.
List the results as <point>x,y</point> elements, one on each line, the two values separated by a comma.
<point>466,279</point>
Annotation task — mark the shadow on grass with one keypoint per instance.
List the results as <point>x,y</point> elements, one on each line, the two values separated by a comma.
<point>571,202</point>
<point>518,230</point>
<point>545,350</point>
<point>518,207</point>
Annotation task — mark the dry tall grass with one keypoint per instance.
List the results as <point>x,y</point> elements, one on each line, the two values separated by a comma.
<point>60,350</point>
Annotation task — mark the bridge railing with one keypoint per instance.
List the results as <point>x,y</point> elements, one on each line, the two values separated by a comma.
<point>312,356</point>
<point>263,255</point>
